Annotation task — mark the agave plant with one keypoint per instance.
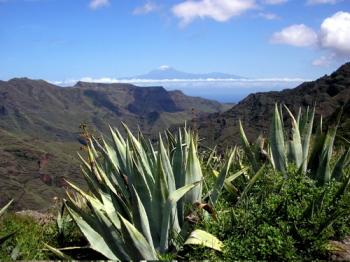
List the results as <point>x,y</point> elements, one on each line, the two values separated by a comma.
<point>2,211</point>
<point>138,196</point>
<point>307,154</point>
<point>297,149</point>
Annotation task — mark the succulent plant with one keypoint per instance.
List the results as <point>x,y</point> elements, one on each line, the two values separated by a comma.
<point>138,196</point>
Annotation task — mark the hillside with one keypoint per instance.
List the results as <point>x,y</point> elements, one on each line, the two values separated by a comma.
<point>328,93</point>
<point>39,128</point>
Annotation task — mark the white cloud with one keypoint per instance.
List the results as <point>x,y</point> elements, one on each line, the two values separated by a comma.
<point>248,82</point>
<point>333,37</point>
<point>145,9</point>
<point>95,4</point>
<point>295,35</point>
<point>335,33</point>
<point>274,2</point>
<point>219,10</point>
<point>318,2</point>
<point>269,16</point>
<point>323,61</point>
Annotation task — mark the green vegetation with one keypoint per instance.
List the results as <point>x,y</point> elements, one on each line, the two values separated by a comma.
<point>39,129</point>
<point>281,198</point>
<point>10,234</point>
<point>28,241</point>
<point>137,196</point>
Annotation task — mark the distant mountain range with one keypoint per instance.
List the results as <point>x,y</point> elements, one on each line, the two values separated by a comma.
<point>39,128</point>
<point>167,72</point>
<point>39,123</point>
<point>328,93</point>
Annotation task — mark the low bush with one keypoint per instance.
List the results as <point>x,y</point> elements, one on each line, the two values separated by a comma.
<point>282,218</point>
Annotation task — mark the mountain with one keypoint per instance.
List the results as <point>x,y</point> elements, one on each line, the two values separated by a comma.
<point>328,93</point>
<point>40,135</point>
<point>166,72</point>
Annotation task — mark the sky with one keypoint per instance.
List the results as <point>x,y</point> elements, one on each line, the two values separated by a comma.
<point>61,40</point>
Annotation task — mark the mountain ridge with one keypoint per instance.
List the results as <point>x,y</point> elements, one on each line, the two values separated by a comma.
<point>40,135</point>
<point>328,93</point>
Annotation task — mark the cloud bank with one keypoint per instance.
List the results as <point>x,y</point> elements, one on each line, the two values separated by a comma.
<point>242,82</point>
<point>223,90</point>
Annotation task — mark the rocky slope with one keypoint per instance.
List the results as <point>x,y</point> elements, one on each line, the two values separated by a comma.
<point>328,93</point>
<point>39,129</point>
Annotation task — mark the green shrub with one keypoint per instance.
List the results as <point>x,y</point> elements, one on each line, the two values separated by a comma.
<point>28,242</point>
<point>282,218</point>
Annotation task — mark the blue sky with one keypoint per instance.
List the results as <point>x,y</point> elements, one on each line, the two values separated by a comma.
<point>71,39</point>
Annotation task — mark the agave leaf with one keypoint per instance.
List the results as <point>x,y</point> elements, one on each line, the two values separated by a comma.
<point>168,170</point>
<point>313,162</point>
<point>331,219</point>
<point>94,201</point>
<point>88,226</point>
<point>2,210</point>
<point>135,243</point>
<point>119,148</point>
<point>302,120</point>
<point>159,198</point>
<point>211,156</point>
<point>110,209</point>
<point>252,182</point>
<point>248,148</point>
<point>131,138</point>
<point>230,179</point>
<point>140,217</point>
<point>323,174</point>
<point>142,158</point>
<point>178,162</point>
<point>114,175</point>
<point>203,238</point>
<point>299,118</point>
<point>58,253</point>
<point>193,174</point>
<point>341,164</point>
<point>219,183</point>
<point>306,138</point>
<point>320,126</point>
<point>4,238</point>
<point>342,190</point>
<point>179,166</point>
<point>121,205</point>
<point>295,144</point>
<point>167,166</point>
<point>277,143</point>
<point>170,204</point>
<point>137,178</point>
<point>107,181</point>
